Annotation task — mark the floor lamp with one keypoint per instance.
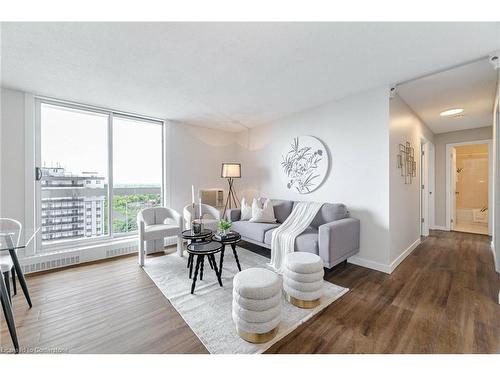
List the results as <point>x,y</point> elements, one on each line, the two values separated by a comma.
<point>230,171</point>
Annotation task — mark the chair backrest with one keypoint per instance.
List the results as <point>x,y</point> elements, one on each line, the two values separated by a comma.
<point>155,215</point>
<point>205,210</point>
<point>8,224</point>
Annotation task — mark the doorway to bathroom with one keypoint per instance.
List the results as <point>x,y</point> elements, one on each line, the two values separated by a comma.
<point>469,186</point>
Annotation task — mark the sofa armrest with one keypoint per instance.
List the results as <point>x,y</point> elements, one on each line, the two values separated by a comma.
<point>233,214</point>
<point>338,240</point>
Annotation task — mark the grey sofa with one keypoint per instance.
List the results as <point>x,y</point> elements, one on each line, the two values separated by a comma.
<point>332,235</point>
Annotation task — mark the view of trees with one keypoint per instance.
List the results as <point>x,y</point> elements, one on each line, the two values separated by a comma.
<point>126,207</point>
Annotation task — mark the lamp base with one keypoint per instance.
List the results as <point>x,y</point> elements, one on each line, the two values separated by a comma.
<point>231,196</point>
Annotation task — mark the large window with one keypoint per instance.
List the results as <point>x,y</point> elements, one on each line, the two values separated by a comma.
<point>137,166</point>
<point>87,159</point>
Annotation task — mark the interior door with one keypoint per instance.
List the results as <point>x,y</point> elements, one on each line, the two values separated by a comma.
<point>454,191</point>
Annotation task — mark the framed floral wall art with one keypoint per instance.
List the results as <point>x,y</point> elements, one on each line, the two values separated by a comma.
<point>304,164</point>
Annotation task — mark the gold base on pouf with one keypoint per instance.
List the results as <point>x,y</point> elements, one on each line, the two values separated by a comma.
<point>257,338</point>
<point>301,303</point>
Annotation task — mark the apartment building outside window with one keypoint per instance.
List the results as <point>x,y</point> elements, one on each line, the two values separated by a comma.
<point>89,158</point>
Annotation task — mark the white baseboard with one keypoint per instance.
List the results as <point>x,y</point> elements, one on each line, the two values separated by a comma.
<point>386,268</point>
<point>404,254</point>
<point>439,227</point>
<point>370,264</point>
<point>497,265</point>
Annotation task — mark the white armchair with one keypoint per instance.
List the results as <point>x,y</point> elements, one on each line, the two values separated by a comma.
<point>211,222</point>
<point>158,223</point>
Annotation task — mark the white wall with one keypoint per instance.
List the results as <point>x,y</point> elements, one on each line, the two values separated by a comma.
<point>194,158</point>
<point>496,178</point>
<point>1,121</point>
<point>441,140</point>
<point>404,221</point>
<point>12,179</point>
<point>356,132</point>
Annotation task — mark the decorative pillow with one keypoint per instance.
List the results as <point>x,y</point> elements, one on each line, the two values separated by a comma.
<point>246,210</point>
<point>264,213</point>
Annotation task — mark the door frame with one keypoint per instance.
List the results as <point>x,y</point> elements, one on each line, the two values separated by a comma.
<point>426,186</point>
<point>449,146</point>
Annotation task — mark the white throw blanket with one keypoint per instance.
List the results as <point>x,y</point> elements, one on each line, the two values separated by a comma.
<point>283,239</point>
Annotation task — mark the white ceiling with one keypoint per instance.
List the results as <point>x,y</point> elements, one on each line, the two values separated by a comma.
<point>471,87</point>
<point>228,75</point>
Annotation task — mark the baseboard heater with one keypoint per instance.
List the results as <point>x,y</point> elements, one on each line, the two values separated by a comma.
<point>54,260</point>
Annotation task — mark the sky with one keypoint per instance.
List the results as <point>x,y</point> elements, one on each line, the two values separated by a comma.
<point>78,141</point>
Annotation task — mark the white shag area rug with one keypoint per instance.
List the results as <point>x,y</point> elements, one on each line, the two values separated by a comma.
<point>208,311</point>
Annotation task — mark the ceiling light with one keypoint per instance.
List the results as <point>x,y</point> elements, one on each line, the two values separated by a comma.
<point>451,112</point>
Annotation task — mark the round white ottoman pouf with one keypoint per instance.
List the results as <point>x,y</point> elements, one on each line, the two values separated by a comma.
<point>257,316</point>
<point>257,300</point>
<point>303,286</point>
<point>303,298</point>
<point>303,279</point>
<point>256,283</point>
<point>257,304</point>
<point>302,262</point>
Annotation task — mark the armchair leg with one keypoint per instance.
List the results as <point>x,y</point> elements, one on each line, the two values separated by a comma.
<point>141,252</point>
<point>180,246</point>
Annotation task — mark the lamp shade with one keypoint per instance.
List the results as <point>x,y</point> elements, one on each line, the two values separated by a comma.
<point>231,170</point>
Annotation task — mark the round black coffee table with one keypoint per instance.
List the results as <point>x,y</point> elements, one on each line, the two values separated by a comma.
<point>233,240</point>
<point>200,237</point>
<point>192,237</point>
<point>202,250</point>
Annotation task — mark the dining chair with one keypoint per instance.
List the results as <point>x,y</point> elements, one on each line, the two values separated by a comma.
<point>6,264</point>
<point>12,228</point>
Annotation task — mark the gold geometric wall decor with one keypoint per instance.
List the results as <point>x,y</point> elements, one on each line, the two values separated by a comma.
<point>406,162</point>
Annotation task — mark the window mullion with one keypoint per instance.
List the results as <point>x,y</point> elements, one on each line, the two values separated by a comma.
<point>110,175</point>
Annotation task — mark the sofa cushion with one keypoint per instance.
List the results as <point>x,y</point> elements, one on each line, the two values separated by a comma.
<point>307,241</point>
<point>262,213</point>
<point>246,210</point>
<point>282,208</point>
<point>330,212</point>
<point>253,231</point>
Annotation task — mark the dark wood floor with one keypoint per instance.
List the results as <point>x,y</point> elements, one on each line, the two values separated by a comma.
<point>441,299</point>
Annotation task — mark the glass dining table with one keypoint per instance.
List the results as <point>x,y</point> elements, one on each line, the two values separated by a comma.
<point>12,240</point>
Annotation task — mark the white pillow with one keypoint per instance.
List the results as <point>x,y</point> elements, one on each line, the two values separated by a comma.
<point>262,214</point>
<point>246,210</point>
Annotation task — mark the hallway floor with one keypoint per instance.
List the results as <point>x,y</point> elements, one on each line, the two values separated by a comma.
<point>441,299</point>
